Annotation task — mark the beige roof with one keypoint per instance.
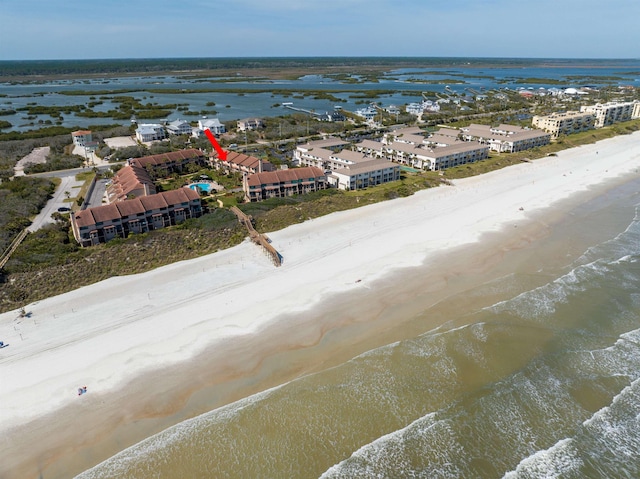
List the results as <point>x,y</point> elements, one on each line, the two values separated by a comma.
<point>370,145</point>
<point>366,167</point>
<point>348,155</point>
<point>319,153</point>
<point>326,143</point>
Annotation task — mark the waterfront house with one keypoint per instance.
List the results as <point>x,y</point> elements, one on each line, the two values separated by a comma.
<point>147,132</point>
<point>82,138</point>
<point>248,124</point>
<point>179,127</point>
<point>214,125</point>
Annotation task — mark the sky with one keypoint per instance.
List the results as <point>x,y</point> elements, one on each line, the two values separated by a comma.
<point>73,29</point>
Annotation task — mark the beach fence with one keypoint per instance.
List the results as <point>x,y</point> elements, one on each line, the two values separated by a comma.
<point>257,238</point>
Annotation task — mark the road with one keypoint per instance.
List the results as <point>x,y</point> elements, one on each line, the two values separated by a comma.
<point>68,183</point>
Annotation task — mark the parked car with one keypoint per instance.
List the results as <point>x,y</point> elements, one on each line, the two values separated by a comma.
<point>64,209</point>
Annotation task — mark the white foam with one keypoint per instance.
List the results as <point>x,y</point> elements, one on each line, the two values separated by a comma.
<point>551,463</point>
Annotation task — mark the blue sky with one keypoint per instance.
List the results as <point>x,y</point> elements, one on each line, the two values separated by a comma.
<point>72,29</point>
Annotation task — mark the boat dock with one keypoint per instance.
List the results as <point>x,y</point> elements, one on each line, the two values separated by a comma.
<point>302,110</point>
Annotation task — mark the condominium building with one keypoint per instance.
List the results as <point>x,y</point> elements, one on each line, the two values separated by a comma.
<point>317,153</point>
<point>564,123</point>
<point>369,172</point>
<point>118,220</point>
<point>436,157</point>
<point>505,138</point>
<point>283,183</point>
<point>239,162</point>
<point>172,161</point>
<point>128,182</point>
<point>612,112</point>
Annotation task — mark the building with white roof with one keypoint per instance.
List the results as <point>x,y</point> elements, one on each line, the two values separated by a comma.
<point>214,125</point>
<point>179,127</point>
<point>150,132</point>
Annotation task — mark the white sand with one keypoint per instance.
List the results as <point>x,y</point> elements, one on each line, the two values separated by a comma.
<point>109,333</point>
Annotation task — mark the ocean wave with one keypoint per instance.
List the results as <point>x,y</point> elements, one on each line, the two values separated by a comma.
<point>606,445</point>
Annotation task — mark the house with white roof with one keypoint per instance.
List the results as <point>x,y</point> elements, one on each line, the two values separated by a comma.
<point>150,132</point>
<point>179,127</point>
<point>368,113</point>
<point>214,125</point>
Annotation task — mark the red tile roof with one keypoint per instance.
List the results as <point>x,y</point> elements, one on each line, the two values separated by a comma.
<point>167,157</point>
<point>116,211</point>
<point>284,176</point>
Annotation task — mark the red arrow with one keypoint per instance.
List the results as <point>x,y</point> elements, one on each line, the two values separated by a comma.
<point>221,153</point>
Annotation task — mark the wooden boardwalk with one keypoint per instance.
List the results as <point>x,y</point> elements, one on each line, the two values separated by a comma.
<point>12,247</point>
<point>259,239</point>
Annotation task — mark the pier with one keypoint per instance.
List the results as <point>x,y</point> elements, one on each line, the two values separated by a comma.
<point>302,110</point>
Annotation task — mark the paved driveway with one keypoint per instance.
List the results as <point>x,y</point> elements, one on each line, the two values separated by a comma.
<point>68,183</point>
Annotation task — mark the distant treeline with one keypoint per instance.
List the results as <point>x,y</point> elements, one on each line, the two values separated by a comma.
<point>14,68</point>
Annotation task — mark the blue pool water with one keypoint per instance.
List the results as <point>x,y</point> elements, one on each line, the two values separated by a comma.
<point>202,186</point>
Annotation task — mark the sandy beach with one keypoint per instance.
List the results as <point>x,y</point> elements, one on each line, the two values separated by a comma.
<point>157,348</point>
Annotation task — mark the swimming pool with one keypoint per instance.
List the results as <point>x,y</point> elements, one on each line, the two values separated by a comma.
<point>207,187</point>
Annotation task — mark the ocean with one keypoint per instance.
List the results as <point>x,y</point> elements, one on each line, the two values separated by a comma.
<point>532,373</point>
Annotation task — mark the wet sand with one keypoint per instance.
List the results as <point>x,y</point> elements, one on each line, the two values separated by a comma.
<point>153,354</point>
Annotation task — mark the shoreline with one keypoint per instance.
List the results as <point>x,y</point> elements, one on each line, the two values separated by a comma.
<point>169,320</point>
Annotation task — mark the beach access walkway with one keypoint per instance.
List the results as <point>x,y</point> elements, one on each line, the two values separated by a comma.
<point>259,239</point>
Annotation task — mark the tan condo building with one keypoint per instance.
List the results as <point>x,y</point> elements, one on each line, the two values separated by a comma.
<point>565,123</point>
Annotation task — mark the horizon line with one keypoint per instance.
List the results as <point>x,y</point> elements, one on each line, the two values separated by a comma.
<point>285,57</point>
